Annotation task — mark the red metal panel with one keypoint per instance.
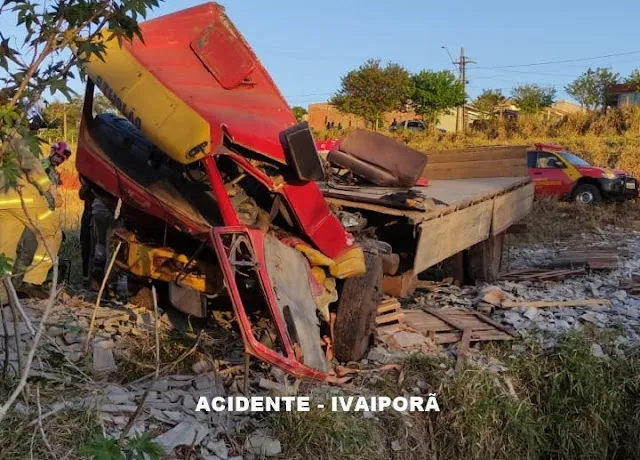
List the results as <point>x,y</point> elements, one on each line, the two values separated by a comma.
<point>287,363</point>
<point>316,219</point>
<point>253,112</point>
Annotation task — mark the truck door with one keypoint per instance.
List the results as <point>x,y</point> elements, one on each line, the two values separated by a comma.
<point>548,173</point>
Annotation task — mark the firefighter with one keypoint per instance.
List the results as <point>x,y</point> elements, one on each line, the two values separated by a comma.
<point>60,152</point>
<point>40,199</point>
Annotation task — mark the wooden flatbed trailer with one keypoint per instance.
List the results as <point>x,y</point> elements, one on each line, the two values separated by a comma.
<point>462,224</point>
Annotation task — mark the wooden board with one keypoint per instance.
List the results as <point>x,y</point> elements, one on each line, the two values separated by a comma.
<point>476,168</point>
<point>511,207</point>
<point>478,153</point>
<point>447,325</point>
<point>554,303</point>
<point>489,161</point>
<point>441,238</point>
<point>595,259</point>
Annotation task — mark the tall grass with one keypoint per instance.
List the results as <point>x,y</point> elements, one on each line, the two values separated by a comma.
<point>561,404</point>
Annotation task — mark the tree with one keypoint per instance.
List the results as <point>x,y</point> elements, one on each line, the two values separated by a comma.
<point>373,90</point>
<point>489,101</point>
<point>299,113</point>
<point>633,78</point>
<point>58,35</point>
<point>433,93</point>
<point>590,87</point>
<point>531,98</point>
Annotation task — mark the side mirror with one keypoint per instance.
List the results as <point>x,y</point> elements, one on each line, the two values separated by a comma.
<point>558,164</point>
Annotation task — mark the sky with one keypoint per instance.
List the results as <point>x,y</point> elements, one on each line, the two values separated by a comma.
<point>307,46</point>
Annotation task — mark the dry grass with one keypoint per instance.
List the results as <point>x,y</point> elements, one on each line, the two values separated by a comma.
<point>551,220</point>
<point>609,140</point>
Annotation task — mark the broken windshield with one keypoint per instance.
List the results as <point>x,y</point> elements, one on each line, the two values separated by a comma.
<point>574,159</point>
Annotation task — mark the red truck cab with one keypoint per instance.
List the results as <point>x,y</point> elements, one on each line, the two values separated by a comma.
<point>558,172</point>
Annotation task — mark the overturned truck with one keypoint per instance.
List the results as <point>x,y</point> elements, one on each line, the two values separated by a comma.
<point>213,183</point>
<point>218,195</point>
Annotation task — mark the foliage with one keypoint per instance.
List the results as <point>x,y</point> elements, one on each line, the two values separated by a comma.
<point>136,448</point>
<point>589,88</point>
<point>489,101</point>
<point>58,36</point>
<point>373,90</point>
<point>44,61</point>
<point>299,113</point>
<point>532,98</point>
<point>633,78</point>
<point>433,93</point>
<point>6,265</point>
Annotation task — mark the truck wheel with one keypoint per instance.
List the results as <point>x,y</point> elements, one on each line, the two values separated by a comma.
<point>357,308</point>
<point>587,195</point>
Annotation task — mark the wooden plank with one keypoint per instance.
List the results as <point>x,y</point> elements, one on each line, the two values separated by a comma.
<point>479,153</point>
<point>387,308</point>
<point>447,319</point>
<point>476,169</point>
<point>424,323</point>
<point>441,238</point>
<point>555,303</point>
<point>500,327</point>
<point>389,318</point>
<point>488,335</point>
<point>390,329</point>
<point>352,204</point>
<point>463,346</point>
<point>511,207</point>
<point>448,337</point>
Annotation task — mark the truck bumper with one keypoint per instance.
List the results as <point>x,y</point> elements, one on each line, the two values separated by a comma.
<point>619,189</point>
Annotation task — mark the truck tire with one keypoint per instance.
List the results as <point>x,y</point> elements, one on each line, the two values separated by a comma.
<point>586,195</point>
<point>357,308</point>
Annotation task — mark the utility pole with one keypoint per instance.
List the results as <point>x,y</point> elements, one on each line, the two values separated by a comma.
<point>462,66</point>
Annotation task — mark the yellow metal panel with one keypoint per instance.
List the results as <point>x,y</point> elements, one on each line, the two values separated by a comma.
<point>170,123</point>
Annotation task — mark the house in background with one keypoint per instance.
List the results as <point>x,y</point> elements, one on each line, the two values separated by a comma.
<point>323,114</point>
<point>622,95</point>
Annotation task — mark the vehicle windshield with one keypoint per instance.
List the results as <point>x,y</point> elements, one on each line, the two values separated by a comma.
<point>574,159</point>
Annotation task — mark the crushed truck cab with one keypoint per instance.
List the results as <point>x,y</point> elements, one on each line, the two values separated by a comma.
<point>217,191</point>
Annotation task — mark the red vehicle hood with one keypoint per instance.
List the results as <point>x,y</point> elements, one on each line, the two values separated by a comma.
<point>201,57</point>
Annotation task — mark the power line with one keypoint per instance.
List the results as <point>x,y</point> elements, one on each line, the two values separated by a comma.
<point>527,72</point>
<point>564,61</point>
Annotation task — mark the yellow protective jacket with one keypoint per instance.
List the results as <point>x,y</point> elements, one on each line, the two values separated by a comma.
<point>31,173</point>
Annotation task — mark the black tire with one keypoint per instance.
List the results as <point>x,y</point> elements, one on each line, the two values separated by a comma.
<point>357,308</point>
<point>586,195</point>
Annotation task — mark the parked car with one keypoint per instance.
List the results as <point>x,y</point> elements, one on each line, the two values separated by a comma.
<point>558,172</point>
<point>411,125</point>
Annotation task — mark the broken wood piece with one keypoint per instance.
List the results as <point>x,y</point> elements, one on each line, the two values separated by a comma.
<point>400,285</point>
<point>594,259</point>
<point>388,305</point>
<point>554,303</point>
<point>390,318</point>
<point>463,346</point>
